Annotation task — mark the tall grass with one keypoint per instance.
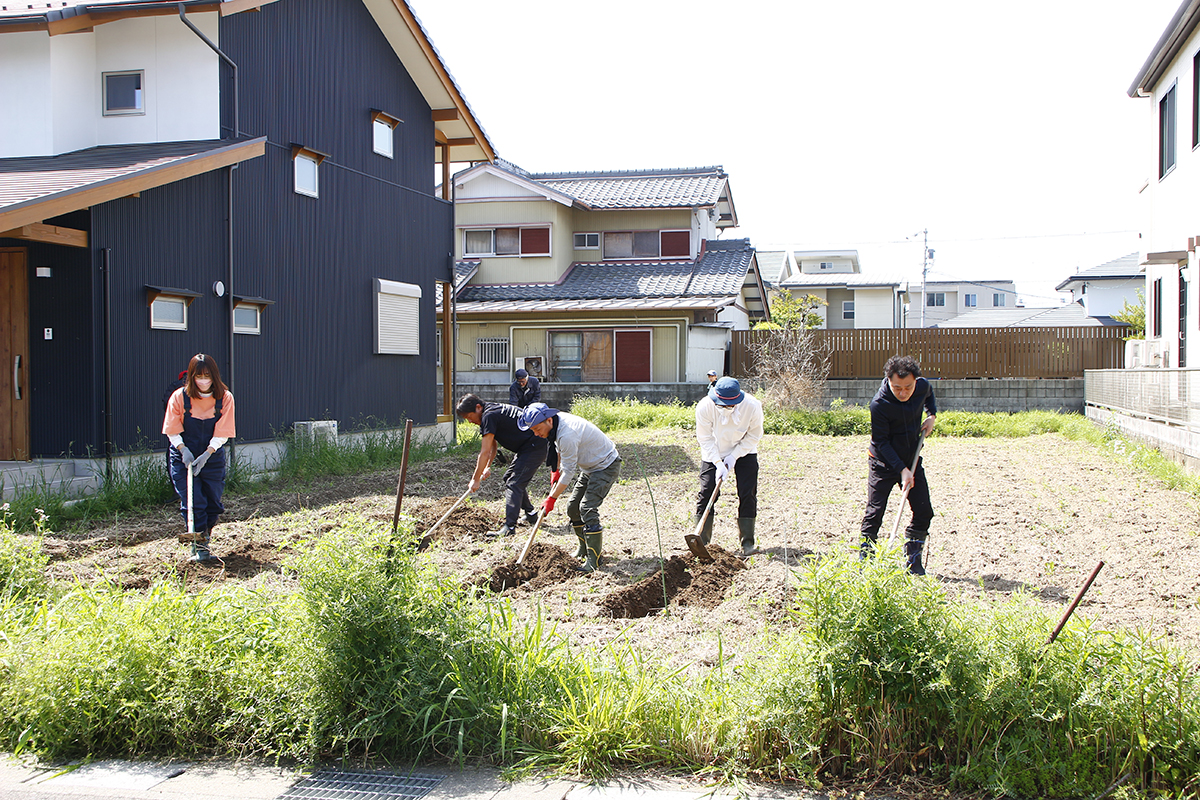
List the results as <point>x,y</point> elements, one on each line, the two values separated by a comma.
<point>375,655</point>
<point>631,413</point>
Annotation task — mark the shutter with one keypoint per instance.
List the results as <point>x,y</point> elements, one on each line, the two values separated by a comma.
<point>676,244</point>
<point>535,241</point>
<point>397,318</point>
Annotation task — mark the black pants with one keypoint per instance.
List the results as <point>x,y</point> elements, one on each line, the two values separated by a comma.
<point>880,480</point>
<point>745,469</point>
<point>518,475</point>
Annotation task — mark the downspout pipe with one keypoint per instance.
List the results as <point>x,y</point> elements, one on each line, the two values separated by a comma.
<point>106,268</point>
<point>183,17</point>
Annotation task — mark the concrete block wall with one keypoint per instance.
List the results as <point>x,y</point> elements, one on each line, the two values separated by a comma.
<point>1008,395</point>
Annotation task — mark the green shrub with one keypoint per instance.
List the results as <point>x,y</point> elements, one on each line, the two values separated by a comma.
<point>631,413</point>
<point>22,563</point>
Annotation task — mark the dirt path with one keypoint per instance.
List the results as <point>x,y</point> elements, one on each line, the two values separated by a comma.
<point>1034,513</point>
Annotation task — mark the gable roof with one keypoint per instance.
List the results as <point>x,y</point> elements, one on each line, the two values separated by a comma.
<point>714,280</point>
<point>1069,315</point>
<point>691,187</point>
<point>455,125</point>
<point>1168,47</point>
<point>36,188</point>
<point>1122,268</point>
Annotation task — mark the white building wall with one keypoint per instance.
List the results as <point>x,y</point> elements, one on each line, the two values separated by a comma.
<point>1105,301</point>
<point>27,123</point>
<point>739,318</point>
<point>52,92</point>
<point>873,308</point>
<point>706,350</point>
<point>1169,209</point>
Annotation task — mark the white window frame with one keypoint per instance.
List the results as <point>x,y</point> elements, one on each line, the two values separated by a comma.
<point>140,94</point>
<point>303,156</point>
<point>492,352</point>
<point>491,230</point>
<point>970,301</point>
<point>998,300</point>
<point>256,328</point>
<point>169,300</point>
<point>591,241</point>
<point>826,265</point>
<point>657,252</point>
<point>383,133</point>
<point>397,318</point>
<point>847,309</point>
<point>935,299</point>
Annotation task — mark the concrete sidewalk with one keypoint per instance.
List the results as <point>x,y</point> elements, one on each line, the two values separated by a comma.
<point>176,780</point>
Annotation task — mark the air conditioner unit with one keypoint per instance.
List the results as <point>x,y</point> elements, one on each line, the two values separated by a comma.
<point>1135,353</point>
<point>313,430</point>
<point>1154,353</point>
<point>531,364</point>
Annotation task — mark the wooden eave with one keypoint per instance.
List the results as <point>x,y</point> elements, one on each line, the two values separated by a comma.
<point>87,195</point>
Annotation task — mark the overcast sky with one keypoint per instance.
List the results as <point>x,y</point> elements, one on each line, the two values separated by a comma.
<point>1003,129</point>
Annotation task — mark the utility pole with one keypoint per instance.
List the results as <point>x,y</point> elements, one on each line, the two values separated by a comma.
<point>924,272</point>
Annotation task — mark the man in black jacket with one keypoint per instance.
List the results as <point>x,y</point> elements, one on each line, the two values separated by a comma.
<point>896,428</point>
<point>524,391</point>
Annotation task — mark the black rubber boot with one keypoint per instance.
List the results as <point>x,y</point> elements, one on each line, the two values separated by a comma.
<point>581,553</point>
<point>746,529</point>
<point>595,543</point>
<point>866,547</point>
<point>912,552</point>
<point>706,531</point>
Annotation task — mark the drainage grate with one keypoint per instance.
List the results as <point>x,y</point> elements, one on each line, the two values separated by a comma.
<point>339,785</point>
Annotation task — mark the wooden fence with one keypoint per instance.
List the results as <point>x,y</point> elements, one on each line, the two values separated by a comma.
<point>960,352</point>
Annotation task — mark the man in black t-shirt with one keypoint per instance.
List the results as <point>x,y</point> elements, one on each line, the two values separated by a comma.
<point>498,425</point>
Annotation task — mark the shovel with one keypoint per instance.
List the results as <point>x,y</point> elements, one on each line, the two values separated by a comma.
<point>904,494</point>
<point>428,537</point>
<point>520,572</point>
<point>190,536</point>
<point>693,540</point>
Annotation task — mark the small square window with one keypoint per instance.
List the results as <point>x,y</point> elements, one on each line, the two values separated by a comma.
<point>123,94</point>
<point>847,309</point>
<point>970,300</point>
<point>169,313</point>
<point>477,243</point>
<point>384,137</point>
<point>247,318</point>
<point>587,241</point>
<point>826,265</point>
<point>998,300</point>
<point>306,175</point>
<point>935,299</point>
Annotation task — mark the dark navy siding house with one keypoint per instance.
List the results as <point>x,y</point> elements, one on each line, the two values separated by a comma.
<point>254,180</point>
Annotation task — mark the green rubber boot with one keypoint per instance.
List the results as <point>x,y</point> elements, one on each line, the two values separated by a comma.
<point>746,528</point>
<point>595,543</point>
<point>706,531</point>
<point>581,553</point>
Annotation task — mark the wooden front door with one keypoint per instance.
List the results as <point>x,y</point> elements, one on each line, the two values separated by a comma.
<point>633,356</point>
<point>14,356</point>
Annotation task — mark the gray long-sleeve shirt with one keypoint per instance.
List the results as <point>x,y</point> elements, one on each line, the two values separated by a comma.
<point>581,447</point>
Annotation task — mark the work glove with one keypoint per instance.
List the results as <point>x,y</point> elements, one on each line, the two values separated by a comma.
<point>548,506</point>
<point>722,471</point>
<point>729,460</point>
<point>186,454</point>
<point>554,476</point>
<point>200,461</point>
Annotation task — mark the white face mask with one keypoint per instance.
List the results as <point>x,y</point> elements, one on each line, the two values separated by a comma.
<point>204,384</point>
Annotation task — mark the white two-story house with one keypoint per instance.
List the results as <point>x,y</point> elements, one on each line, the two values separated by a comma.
<point>1168,85</point>
<point>940,301</point>
<point>853,299</point>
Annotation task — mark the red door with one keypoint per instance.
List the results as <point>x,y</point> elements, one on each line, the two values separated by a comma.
<point>633,356</point>
<point>14,369</point>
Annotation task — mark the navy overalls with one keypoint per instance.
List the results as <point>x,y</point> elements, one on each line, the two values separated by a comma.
<point>209,485</point>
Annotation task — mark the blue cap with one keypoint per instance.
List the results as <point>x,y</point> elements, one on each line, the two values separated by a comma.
<point>535,413</point>
<point>727,392</point>
<point>522,373</point>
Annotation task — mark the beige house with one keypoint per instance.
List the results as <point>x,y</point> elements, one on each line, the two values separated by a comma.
<point>854,300</point>
<point>941,301</point>
<point>598,277</point>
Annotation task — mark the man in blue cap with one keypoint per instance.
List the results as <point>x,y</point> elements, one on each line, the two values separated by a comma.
<point>582,448</point>
<point>729,423</point>
<point>524,390</point>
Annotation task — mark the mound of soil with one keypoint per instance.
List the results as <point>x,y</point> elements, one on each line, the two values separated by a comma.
<point>545,565</point>
<point>467,521</point>
<point>689,582</point>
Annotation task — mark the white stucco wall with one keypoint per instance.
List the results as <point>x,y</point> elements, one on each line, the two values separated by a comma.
<point>1105,300</point>
<point>52,89</point>
<point>706,350</point>
<point>739,318</point>
<point>873,308</point>
<point>1168,205</point>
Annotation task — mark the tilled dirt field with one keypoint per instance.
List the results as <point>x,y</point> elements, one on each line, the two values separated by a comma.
<point>1034,514</point>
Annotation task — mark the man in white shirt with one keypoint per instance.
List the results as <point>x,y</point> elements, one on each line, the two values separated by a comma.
<point>729,423</point>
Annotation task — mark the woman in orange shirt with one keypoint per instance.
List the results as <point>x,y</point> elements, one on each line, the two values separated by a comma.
<point>198,422</point>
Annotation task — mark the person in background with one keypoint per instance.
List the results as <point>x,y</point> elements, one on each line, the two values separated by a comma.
<point>498,425</point>
<point>524,390</point>
<point>582,448</point>
<point>729,424</point>
<point>198,421</point>
<point>712,378</point>
<point>896,427</point>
